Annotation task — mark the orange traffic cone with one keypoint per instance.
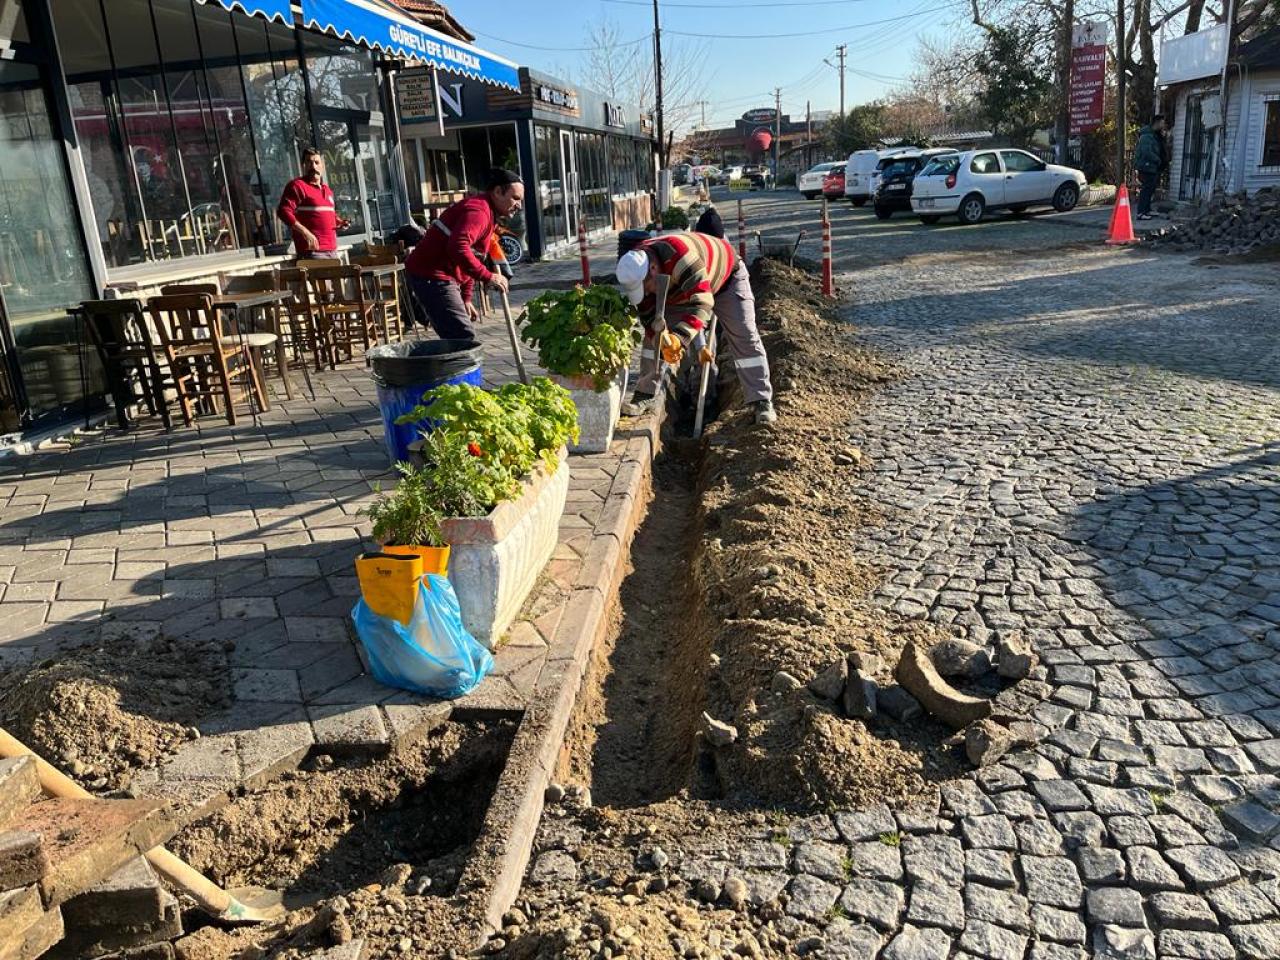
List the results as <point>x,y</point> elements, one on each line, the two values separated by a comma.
<point>1121,230</point>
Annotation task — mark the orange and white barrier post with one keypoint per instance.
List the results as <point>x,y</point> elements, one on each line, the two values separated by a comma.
<point>828,281</point>
<point>582,252</point>
<point>742,234</point>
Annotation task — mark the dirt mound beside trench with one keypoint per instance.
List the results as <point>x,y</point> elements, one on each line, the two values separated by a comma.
<point>103,713</point>
<point>782,579</point>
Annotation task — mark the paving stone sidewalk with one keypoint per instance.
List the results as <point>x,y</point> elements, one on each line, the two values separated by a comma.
<point>1085,449</point>
<point>245,536</point>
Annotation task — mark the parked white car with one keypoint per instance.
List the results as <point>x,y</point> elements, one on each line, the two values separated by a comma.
<point>809,183</point>
<point>969,184</point>
<point>857,175</point>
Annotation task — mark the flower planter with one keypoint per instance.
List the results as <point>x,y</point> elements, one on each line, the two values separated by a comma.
<point>494,561</point>
<point>597,411</point>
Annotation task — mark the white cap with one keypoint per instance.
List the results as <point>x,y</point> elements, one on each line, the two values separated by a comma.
<point>631,271</point>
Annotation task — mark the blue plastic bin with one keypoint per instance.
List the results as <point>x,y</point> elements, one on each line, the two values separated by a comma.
<point>403,372</point>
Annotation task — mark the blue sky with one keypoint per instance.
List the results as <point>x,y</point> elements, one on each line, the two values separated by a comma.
<point>796,36</point>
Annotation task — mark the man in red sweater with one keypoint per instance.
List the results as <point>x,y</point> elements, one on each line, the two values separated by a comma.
<point>307,208</point>
<point>445,266</point>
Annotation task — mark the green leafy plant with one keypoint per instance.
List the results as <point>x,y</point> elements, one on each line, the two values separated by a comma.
<point>409,515</point>
<point>586,331</point>
<point>481,445</point>
<point>674,218</point>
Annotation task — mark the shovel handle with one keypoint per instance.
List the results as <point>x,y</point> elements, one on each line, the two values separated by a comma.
<point>515,340</point>
<point>210,897</point>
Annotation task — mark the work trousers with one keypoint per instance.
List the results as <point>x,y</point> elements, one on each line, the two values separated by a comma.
<point>442,306</point>
<point>735,308</point>
<point>1149,179</point>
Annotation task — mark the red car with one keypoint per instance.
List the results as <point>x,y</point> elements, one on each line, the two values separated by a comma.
<point>833,184</point>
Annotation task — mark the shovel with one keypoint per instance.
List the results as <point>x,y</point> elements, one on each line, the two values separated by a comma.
<point>659,328</point>
<point>707,358</point>
<point>241,905</point>
<point>515,340</point>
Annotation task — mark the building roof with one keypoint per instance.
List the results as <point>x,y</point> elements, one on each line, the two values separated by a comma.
<point>1262,52</point>
<point>434,15</point>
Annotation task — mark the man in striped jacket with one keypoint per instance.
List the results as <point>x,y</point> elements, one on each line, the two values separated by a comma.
<point>706,276</point>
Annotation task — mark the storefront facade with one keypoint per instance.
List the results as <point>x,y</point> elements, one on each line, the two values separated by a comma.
<point>580,156</point>
<point>152,138</point>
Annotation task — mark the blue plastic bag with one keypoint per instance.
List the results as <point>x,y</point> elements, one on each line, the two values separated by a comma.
<point>434,654</point>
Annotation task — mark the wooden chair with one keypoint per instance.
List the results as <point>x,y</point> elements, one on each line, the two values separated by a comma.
<point>274,339</point>
<point>385,291</point>
<point>203,359</point>
<point>189,289</point>
<point>300,323</point>
<point>118,331</point>
<point>346,316</point>
<point>311,263</point>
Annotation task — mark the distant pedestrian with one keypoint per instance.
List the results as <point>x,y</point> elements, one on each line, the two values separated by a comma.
<point>445,266</point>
<point>1150,159</point>
<point>307,208</point>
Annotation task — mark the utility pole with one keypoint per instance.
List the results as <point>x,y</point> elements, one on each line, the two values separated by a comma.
<point>808,135</point>
<point>1122,125</point>
<point>777,133</point>
<point>657,81</point>
<point>1066,48</point>
<point>840,52</point>
<point>703,105</point>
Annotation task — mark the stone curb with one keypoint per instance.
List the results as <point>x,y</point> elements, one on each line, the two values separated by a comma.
<point>496,869</point>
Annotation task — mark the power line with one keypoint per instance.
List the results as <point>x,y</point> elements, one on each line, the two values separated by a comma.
<point>647,38</point>
<point>809,33</point>
<point>739,6</point>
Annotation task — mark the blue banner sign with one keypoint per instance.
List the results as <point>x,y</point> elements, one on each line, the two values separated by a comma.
<point>367,23</point>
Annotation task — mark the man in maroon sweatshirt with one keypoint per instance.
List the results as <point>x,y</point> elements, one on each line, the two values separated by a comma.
<point>307,208</point>
<point>446,264</point>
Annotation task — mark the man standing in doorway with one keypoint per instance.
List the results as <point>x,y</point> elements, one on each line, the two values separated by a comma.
<point>706,275</point>
<point>307,209</point>
<point>1150,158</point>
<point>445,266</point>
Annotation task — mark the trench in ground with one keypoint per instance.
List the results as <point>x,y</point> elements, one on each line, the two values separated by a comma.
<point>632,737</point>
<point>337,823</point>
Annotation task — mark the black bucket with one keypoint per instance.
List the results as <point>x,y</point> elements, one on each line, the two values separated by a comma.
<point>403,372</point>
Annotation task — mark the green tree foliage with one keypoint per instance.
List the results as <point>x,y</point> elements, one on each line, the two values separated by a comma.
<point>1017,97</point>
<point>859,129</point>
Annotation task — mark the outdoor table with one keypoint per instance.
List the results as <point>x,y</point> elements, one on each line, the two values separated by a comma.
<point>243,306</point>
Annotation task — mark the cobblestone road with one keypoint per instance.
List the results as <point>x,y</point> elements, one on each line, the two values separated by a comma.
<point>1085,450</point>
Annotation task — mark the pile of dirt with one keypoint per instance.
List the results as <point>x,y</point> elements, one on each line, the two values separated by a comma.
<point>780,574</point>
<point>103,713</point>
<point>365,847</point>
<point>1240,223</point>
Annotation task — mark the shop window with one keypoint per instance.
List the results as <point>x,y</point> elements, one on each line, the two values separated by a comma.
<point>341,76</point>
<point>502,147</point>
<point>13,22</point>
<point>277,103</point>
<point>158,96</point>
<point>1271,135</point>
<point>476,158</point>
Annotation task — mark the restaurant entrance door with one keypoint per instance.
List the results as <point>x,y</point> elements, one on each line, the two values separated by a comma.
<point>43,262</point>
<point>355,158</point>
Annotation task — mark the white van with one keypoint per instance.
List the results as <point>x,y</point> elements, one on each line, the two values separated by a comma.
<point>857,175</point>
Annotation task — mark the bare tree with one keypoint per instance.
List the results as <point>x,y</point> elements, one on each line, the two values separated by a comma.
<point>625,71</point>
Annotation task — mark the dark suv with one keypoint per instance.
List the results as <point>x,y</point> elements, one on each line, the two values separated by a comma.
<point>897,174</point>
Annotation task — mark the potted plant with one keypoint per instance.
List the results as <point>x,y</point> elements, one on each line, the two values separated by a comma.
<point>491,489</point>
<point>585,337</point>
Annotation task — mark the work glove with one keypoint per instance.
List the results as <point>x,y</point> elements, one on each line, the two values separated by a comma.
<point>671,347</point>
<point>706,356</point>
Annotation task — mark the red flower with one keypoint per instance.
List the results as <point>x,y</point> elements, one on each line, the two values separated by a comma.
<point>473,448</point>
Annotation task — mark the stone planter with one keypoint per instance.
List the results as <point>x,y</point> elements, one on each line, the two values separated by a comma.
<point>495,560</point>
<point>597,411</point>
